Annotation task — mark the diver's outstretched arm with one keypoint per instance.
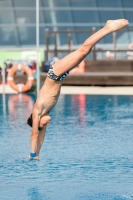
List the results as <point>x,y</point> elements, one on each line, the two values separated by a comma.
<point>40,140</point>
<point>34,133</point>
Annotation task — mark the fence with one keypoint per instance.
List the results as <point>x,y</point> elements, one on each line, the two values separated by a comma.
<point>55,51</point>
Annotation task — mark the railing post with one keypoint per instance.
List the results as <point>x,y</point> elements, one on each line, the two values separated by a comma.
<point>69,40</point>
<point>94,48</point>
<point>3,77</point>
<point>47,42</point>
<point>114,43</point>
<point>55,43</point>
<point>3,83</point>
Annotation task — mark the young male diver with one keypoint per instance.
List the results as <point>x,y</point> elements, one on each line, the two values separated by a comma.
<point>50,91</point>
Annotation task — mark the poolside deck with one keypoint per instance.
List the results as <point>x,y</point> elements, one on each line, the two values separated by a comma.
<point>102,73</point>
<point>97,73</point>
<point>117,76</point>
<point>92,90</point>
<point>98,79</point>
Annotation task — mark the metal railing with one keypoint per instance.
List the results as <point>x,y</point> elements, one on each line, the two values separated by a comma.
<point>55,50</point>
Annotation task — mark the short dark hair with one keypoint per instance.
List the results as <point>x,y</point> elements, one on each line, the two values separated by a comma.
<point>29,120</point>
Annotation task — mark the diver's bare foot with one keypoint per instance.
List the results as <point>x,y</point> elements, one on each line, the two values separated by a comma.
<point>33,158</point>
<point>114,25</point>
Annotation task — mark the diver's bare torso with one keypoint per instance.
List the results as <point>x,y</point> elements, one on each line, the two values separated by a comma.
<point>48,96</point>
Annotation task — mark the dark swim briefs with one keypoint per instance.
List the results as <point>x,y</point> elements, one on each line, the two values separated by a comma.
<point>51,74</point>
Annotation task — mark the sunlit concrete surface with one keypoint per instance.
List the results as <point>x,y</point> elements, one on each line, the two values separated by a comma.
<point>97,90</point>
<point>82,90</point>
<point>7,89</point>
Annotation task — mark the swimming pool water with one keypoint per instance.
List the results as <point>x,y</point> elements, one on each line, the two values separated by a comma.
<point>87,153</point>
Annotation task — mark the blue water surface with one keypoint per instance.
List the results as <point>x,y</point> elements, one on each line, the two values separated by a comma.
<point>87,153</point>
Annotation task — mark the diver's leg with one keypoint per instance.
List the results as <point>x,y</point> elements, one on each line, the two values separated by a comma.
<point>74,58</point>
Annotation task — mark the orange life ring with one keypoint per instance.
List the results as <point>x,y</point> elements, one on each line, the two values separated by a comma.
<point>30,80</point>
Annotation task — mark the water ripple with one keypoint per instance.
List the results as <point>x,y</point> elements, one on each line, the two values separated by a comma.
<point>87,154</point>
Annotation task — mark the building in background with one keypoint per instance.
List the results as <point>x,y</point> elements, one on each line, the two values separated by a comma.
<point>18,18</point>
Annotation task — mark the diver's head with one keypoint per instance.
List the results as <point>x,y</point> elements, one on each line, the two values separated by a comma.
<point>44,121</point>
